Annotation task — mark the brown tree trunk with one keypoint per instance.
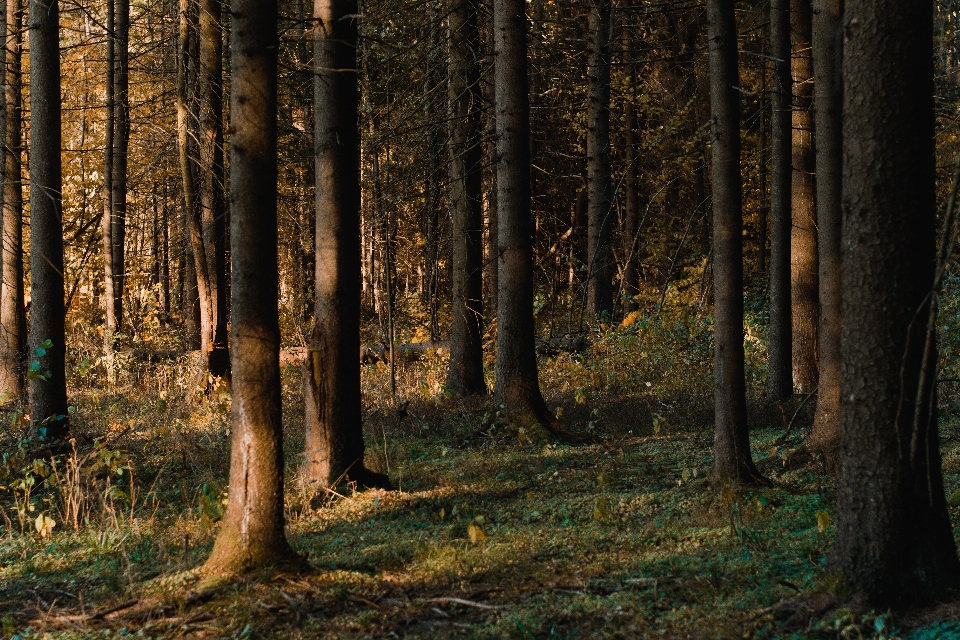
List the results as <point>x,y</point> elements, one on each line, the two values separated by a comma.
<point>121,142</point>
<point>191,281</point>
<point>805,302</point>
<point>893,545</point>
<point>13,321</point>
<point>732,459</point>
<point>465,375</point>
<point>333,447</point>
<point>252,534</point>
<point>212,223</point>
<point>517,386</point>
<point>491,280</point>
<point>780,364</point>
<point>111,321</point>
<point>827,59</point>
<point>600,210</point>
<point>431,196</point>
<point>631,200</point>
<point>48,385</point>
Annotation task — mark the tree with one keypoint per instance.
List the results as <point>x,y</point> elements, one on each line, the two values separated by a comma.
<point>48,385</point>
<point>111,317</point>
<point>893,543</point>
<point>732,458</point>
<point>252,534</point>
<point>465,375</point>
<point>121,144</point>
<point>517,387</point>
<point>780,368</point>
<point>192,234</point>
<point>826,65</point>
<point>803,237</point>
<point>600,211</point>
<point>333,447</point>
<point>631,200</point>
<point>13,321</point>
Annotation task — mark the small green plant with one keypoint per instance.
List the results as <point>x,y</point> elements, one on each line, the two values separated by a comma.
<point>36,370</point>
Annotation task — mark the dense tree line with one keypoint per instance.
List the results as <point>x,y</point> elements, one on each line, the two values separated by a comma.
<point>265,174</point>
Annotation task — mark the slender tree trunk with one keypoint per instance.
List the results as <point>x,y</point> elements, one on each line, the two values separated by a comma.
<point>764,208</point>
<point>165,256</point>
<point>600,213</point>
<point>732,459</point>
<point>431,194</point>
<point>893,545</point>
<point>465,375</point>
<point>517,386</point>
<point>192,280</point>
<point>491,278</point>
<point>252,534</point>
<point>780,368</point>
<point>827,60</point>
<point>212,223</point>
<point>805,301</point>
<point>631,200</point>
<point>121,142</point>
<point>13,321</point>
<point>334,445</point>
<point>48,387</point>
<point>111,321</point>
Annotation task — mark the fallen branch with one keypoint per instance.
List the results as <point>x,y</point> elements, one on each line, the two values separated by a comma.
<point>466,603</point>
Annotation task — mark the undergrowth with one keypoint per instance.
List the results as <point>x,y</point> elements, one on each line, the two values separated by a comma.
<point>485,536</point>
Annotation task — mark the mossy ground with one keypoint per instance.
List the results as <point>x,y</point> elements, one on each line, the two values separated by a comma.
<point>488,535</point>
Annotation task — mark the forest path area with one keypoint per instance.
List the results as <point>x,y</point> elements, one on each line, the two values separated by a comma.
<point>488,533</point>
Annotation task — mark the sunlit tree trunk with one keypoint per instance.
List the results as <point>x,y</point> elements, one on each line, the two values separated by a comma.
<point>192,282</point>
<point>121,142</point>
<point>111,321</point>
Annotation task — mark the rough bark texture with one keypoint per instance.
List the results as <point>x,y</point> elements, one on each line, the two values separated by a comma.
<point>334,446</point>
<point>13,321</point>
<point>600,211</point>
<point>48,393</point>
<point>517,385</point>
<point>111,323</point>
<point>191,281</point>
<point>732,459</point>
<point>252,534</point>
<point>893,544</point>
<point>805,301</point>
<point>827,51</point>
<point>213,298</point>
<point>121,142</point>
<point>780,366</point>
<point>465,375</point>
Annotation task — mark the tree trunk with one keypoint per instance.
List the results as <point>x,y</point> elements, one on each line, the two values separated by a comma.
<point>780,367</point>
<point>212,223</point>
<point>600,210</point>
<point>121,142</point>
<point>333,427</point>
<point>191,280</point>
<point>631,200</point>
<point>804,294</point>
<point>491,280</point>
<point>893,545</point>
<point>111,323</point>
<point>431,196</point>
<point>465,375</point>
<point>827,52</point>
<point>13,321</point>
<point>517,386</point>
<point>48,388</point>
<point>732,459</point>
<point>252,534</point>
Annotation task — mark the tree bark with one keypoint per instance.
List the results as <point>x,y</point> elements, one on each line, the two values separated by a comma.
<point>600,210</point>
<point>780,364</point>
<point>517,386</point>
<point>212,223</point>
<point>631,200</point>
<point>827,60</point>
<point>334,445</point>
<point>804,294</point>
<point>732,459</point>
<point>48,389</point>
<point>111,323</point>
<point>13,321</point>
<point>465,375</point>
<point>191,281</point>
<point>121,142</point>
<point>252,533</point>
<point>893,544</point>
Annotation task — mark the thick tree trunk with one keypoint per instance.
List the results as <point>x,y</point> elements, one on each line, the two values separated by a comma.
<point>48,388</point>
<point>732,459</point>
<point>333,427</point>
<point>600,210</point>
<point>212,223</point>
<point>827,59</point>
<point>893,545</point>
<point>252,534</point>
<point>465,375</point>
<point>780,367</point>
<point>517,386</point>
<point>121,142</point>
<point>13,321</point>
<point>804,295</point>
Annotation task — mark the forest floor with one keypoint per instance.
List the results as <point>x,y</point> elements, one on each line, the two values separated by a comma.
<point>485,536</point>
